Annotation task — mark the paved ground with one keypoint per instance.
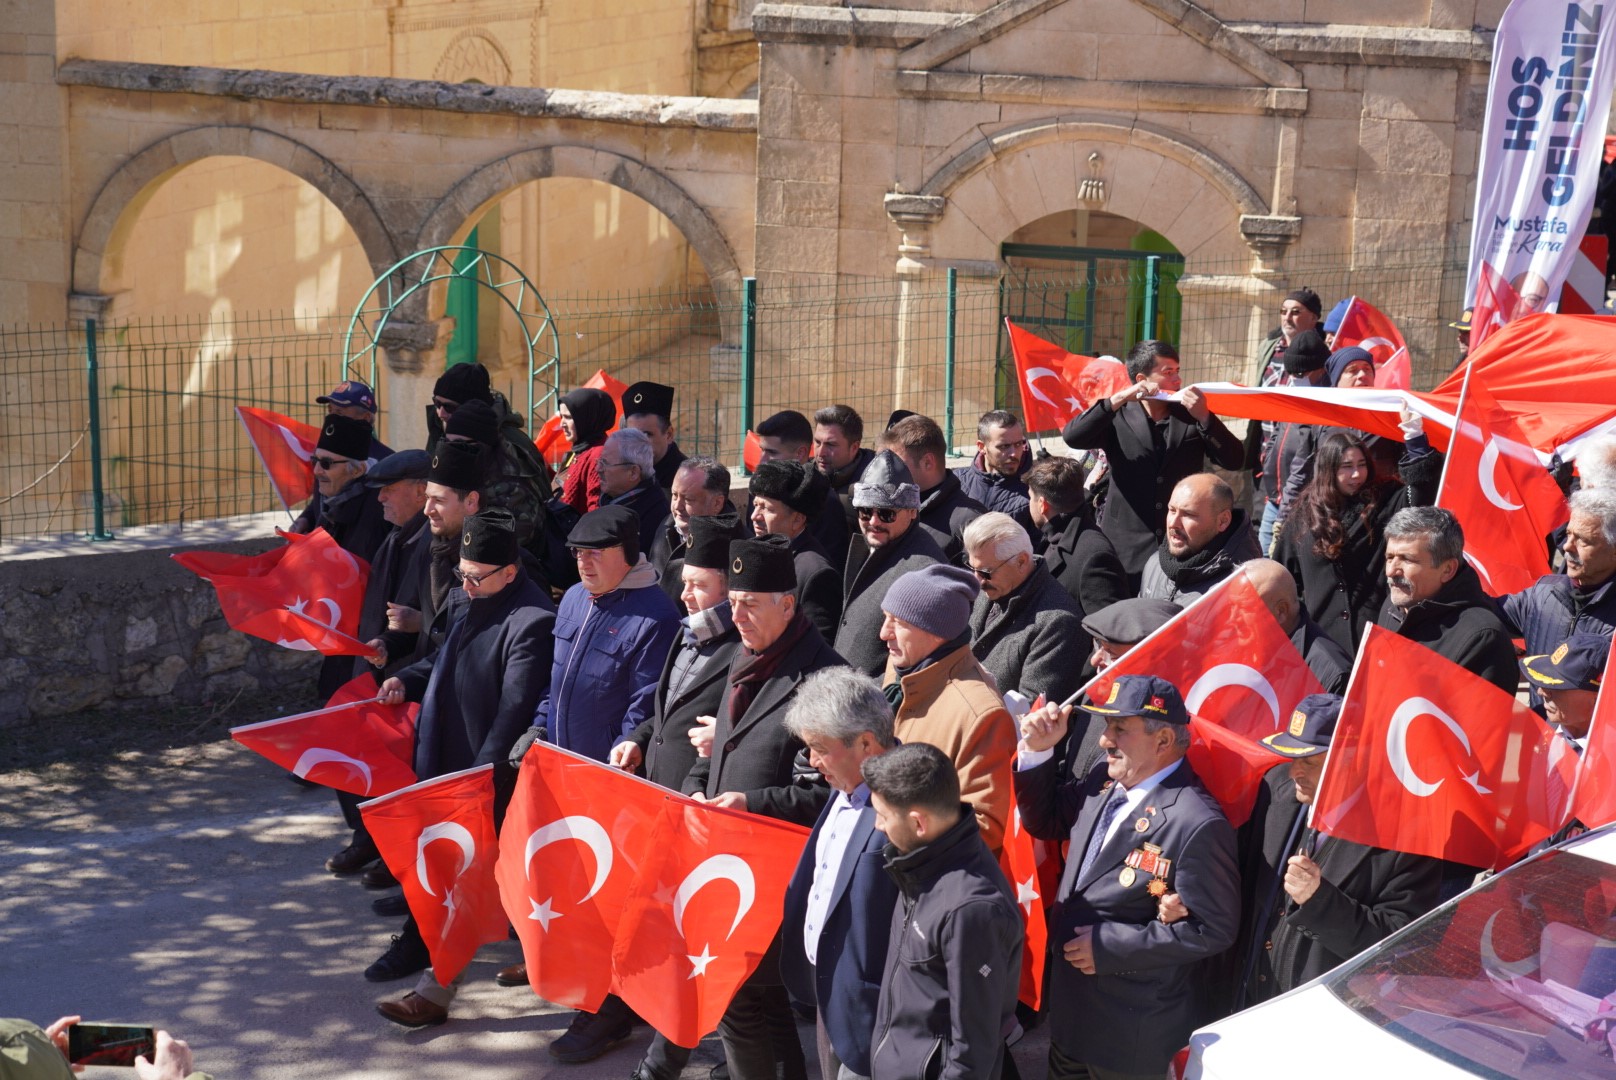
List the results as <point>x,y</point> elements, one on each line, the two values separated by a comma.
<point>184,888</point>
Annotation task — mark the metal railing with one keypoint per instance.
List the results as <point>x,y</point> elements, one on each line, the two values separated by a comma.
<point>104,427</point>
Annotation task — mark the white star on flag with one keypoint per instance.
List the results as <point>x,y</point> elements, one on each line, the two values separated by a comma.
<point>699,963</point>
<point>543,913</point>
<point>1026,894</point>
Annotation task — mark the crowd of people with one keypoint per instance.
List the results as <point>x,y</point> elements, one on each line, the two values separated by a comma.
<point>838,651</point>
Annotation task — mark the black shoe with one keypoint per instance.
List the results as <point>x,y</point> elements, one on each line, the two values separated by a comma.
<point>405,956</point>
<point>719,1071</point>
<point>378,877</point>
<point>589,1036</point>
<point>391,906</point>
<point>352,859</point>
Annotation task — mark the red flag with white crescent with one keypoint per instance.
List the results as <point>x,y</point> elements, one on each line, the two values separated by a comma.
<point>551,444</point>
<point>1019,860</point>
<point>354,744</point>
<point>702,913</point>
<point>1506,502</point>
<point>1594,803</point>
<point>1365,326</point>
<point>1056,385</point>
<point>437,838</point>
<point>1240,677</point>
<point>573,840</point>
<point>285,448</point>
<point>1430,759</point>
<point>304,595</point>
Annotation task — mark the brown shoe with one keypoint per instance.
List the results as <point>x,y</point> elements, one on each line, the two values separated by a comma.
<point>515,975</point>
<point>413,1011</point>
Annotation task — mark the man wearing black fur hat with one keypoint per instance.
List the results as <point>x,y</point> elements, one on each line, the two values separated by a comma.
<point>518,478</point>
<point>477,694</point>
<point>786,497</point>
<point>648,408</point>
<point>752,769</point>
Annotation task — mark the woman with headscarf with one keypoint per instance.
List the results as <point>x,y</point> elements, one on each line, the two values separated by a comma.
<point>1334,540</point>
<point>586,416</point>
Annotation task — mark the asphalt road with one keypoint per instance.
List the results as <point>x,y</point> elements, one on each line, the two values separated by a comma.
<point>186,889</point>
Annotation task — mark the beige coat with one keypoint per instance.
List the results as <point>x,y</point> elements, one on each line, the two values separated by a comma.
<point>955,706</point>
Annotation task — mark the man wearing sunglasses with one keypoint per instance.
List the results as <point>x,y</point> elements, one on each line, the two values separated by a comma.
<point>1024,626</point>
<point>477,694</point>
<point>889,545</point>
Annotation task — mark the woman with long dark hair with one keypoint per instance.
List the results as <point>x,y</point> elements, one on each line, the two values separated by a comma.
<point>586,416</point>
<point>1334,540</point>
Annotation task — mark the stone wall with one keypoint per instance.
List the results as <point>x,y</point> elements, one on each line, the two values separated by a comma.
<point>127,630</point>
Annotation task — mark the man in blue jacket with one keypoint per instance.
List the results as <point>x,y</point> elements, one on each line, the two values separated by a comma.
<point>841,895</point>
<point>997,476</point>
<point>613,634</point>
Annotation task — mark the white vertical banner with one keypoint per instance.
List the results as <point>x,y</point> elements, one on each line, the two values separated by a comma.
<point>1554,67</point>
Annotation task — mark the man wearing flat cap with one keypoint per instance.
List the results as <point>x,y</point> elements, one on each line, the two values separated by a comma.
<point>648,407</point>
<point>690,695</point>
<point>941,694</point>
<point>612,637</point>
<point>786,498</point>
<point>1311,902</point>
<point>476,694</point>
<point>752,769</point>
<point>889,545</point>
<point>1125,988</point>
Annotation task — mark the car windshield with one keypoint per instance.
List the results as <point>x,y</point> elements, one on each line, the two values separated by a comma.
<point>1518,979</point>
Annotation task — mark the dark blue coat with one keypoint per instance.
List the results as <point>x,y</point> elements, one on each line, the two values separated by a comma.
<point>845,982</point>
<point>477,693</point>
<point>609,652</point>
<point>996,491</point>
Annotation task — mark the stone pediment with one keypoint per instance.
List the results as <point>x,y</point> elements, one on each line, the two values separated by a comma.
<point>1094,52</point>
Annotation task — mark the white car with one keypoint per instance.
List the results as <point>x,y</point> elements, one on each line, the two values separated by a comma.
<point>1515,978</point>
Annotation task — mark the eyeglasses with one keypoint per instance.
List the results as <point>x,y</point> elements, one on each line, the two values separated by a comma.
<point>865,513</point>
<point>474,580</point>
<point>327,463</point>
<point>447,408</point>
<point>987,575</point>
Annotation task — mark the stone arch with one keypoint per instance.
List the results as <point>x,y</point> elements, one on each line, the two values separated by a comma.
<point>476,192</point>
<point>116,205</point>
<point>1156,177</point>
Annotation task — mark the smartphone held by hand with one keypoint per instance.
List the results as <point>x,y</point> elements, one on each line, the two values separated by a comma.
<point>110,1044</point>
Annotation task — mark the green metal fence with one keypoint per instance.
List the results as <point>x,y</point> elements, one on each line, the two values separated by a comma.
<point>165,442</point>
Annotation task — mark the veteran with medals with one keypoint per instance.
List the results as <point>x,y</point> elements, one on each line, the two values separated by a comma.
<point>1125,988</point>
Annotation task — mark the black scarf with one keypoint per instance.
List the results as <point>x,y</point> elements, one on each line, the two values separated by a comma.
<point>894,689</point>
<point>445,554</point>
<point>1173,566</point>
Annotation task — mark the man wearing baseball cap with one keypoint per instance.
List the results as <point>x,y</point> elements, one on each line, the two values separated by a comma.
<point>1126,989</point>
<point>1567,681</point>
<point>1311,902</point>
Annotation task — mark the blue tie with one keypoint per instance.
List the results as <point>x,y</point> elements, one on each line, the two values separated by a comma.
<point>1108,814</point>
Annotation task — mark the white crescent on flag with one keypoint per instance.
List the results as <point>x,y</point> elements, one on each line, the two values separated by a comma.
<point>319,755</point>
<point>731,868</point>
<point>443,830</point>
<point>1487,475</point>
<point>1397,746</point>
<point>587,831</point>
<point>1216,678</point>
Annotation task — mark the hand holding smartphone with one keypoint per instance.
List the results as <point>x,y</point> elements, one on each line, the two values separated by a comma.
<point>110,1044</point>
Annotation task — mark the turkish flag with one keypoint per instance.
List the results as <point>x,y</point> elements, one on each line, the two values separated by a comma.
<point>1057,385</point>
<point>285,448</point>
<point>553,445</point>
<point>354,744</point>
<point>1020,863</point>
<point>304,595</point>
<point>1365,326</point>
<point>1432,760</point>
<point>703,911</point>
<point>1504,499</point>
<point>573,840</point>
<point>1238,671</point>
<point>1594,800</point>
<point>1497,304</point>
<point>437,838</point>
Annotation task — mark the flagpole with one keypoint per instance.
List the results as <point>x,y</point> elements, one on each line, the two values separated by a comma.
<point>489,768</point>
<point>1447,460</point>
<point>328,710</point>
<point>1352,682</point>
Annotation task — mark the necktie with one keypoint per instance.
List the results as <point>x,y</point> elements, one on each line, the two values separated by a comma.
<point>1108,814</point>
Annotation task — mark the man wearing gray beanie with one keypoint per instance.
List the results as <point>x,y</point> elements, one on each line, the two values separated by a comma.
<point>942,695</point>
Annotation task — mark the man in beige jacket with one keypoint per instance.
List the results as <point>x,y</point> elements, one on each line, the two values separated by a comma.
<point>940,693</point>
